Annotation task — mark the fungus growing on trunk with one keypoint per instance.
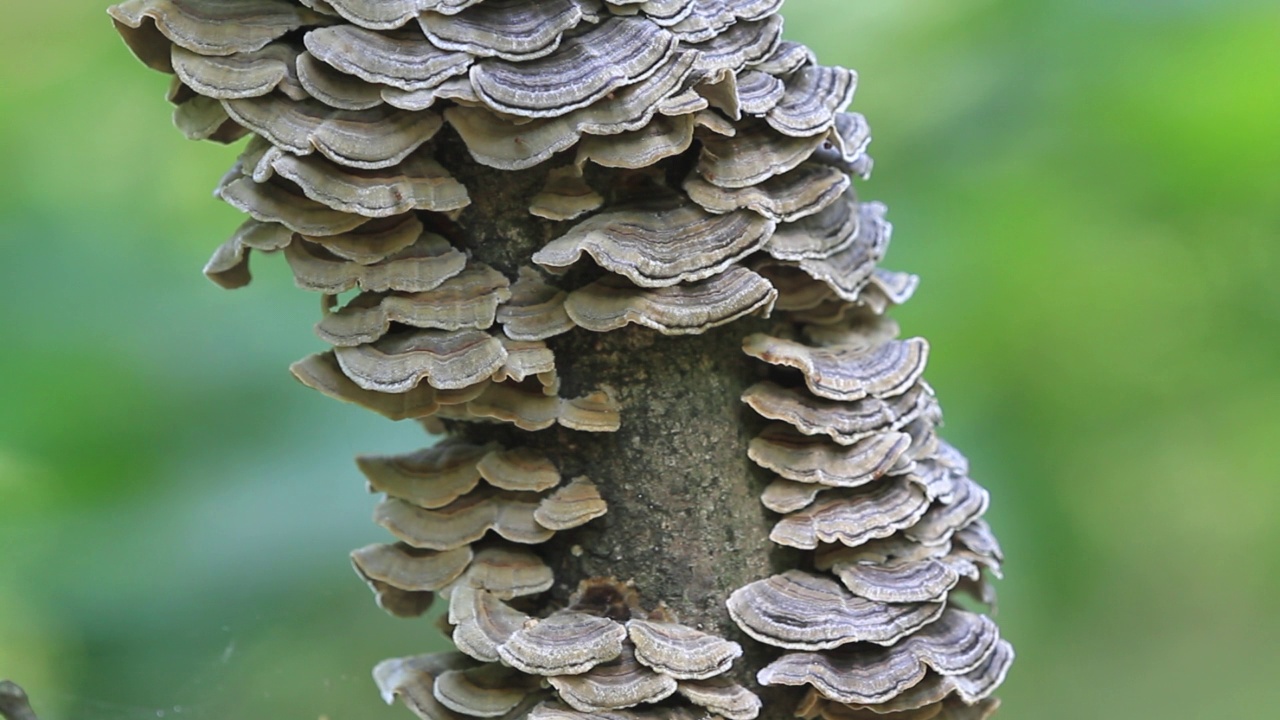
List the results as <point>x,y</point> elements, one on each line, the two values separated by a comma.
<point>583,234</point>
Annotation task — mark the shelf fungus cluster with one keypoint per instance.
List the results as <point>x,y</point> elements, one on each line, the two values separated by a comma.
<point>891,520</point>
<point>519,212</point>
<point>601,655</point>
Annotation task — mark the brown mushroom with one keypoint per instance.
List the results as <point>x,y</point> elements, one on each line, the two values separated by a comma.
<point>573,505</point>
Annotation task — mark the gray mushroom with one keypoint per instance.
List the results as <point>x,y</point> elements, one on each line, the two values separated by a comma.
<point>229,265</point>
<point>410,679</point>
<point>814,96</point>
<point>535,310</point>
<point>514,30</point>
<point>852,517</point>
<point>487,691</point>
<point>615,684</point>
<point>443,359</point>
<point>722,697</point>
<point>337,89</point>
<point>206,27</point>
<point>482,622</point>
<point>796,194</point>
<point>569,642</point>
<point>565,196</point>
<point>468,300</point>
<point>247,74</point>
<point>958,643</point>
<point>802,611</point>
<point>463,521</point>
<point>494,141</point>
<point>612,302</point>
<point>660,245</point>
<point>590,62</point>
<point>401,59</point>
<point>680,651</point>
<point>321,372</point>
<point>375,138</point>
<point>752,155</point>
<point>391,14</point>
<point>844,422</point>
<point>807,458</point>
<point>849,372</point>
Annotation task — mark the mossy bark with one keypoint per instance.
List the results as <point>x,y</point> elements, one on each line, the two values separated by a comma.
<point>685,522</point>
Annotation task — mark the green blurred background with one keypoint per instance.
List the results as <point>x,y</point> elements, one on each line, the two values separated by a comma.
<point>1089,189</point>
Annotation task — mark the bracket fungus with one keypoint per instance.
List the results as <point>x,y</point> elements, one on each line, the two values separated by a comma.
<point>444,166</point>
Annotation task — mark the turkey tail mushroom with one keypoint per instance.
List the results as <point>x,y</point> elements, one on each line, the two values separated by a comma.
<point>575,236</point>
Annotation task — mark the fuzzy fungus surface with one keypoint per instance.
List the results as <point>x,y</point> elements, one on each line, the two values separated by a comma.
<point>614,253</point>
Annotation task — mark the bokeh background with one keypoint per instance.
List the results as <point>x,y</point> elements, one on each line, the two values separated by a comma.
<point>1089,189</point>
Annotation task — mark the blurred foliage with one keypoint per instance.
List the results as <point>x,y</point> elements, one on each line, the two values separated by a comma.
<point>1089,189</point>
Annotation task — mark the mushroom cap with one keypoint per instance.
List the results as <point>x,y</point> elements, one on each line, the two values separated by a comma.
<point>723,697</point>
<point>957,643</point>
<point>659,246</point>
<point>848,372</point>
<point>408,568</point>
<point>429,478</point>
<point>206,27</point>
<point>482,622</point>
<point>690,308</point>
<point>661,138</point>
<point>802,611</point>
<point>852,517</point>
<point>411,678</point>
<point>424,265</point>
<point>519,468</point>
<point>573,505</point>
<point>463,521</point>
<point>680,651</point>
<point>494,141</point>
<point>568,642</point>
<point>969,688</point>
<point>487,691</point>
<point>378,137</point>
<point>809,458</point>
<point>443,359</point>
<point>791,196</point>
<point>613,685</point>
<point>590,62</point>
<point>401,59</point>
<point>844,422</point>
<point>507,572</point>
<point>535,310</point>
<point>468,300</point>
<point>239,75</point>
<point>514,30</point>
<point>814,96</point>
<point>943,520</point>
